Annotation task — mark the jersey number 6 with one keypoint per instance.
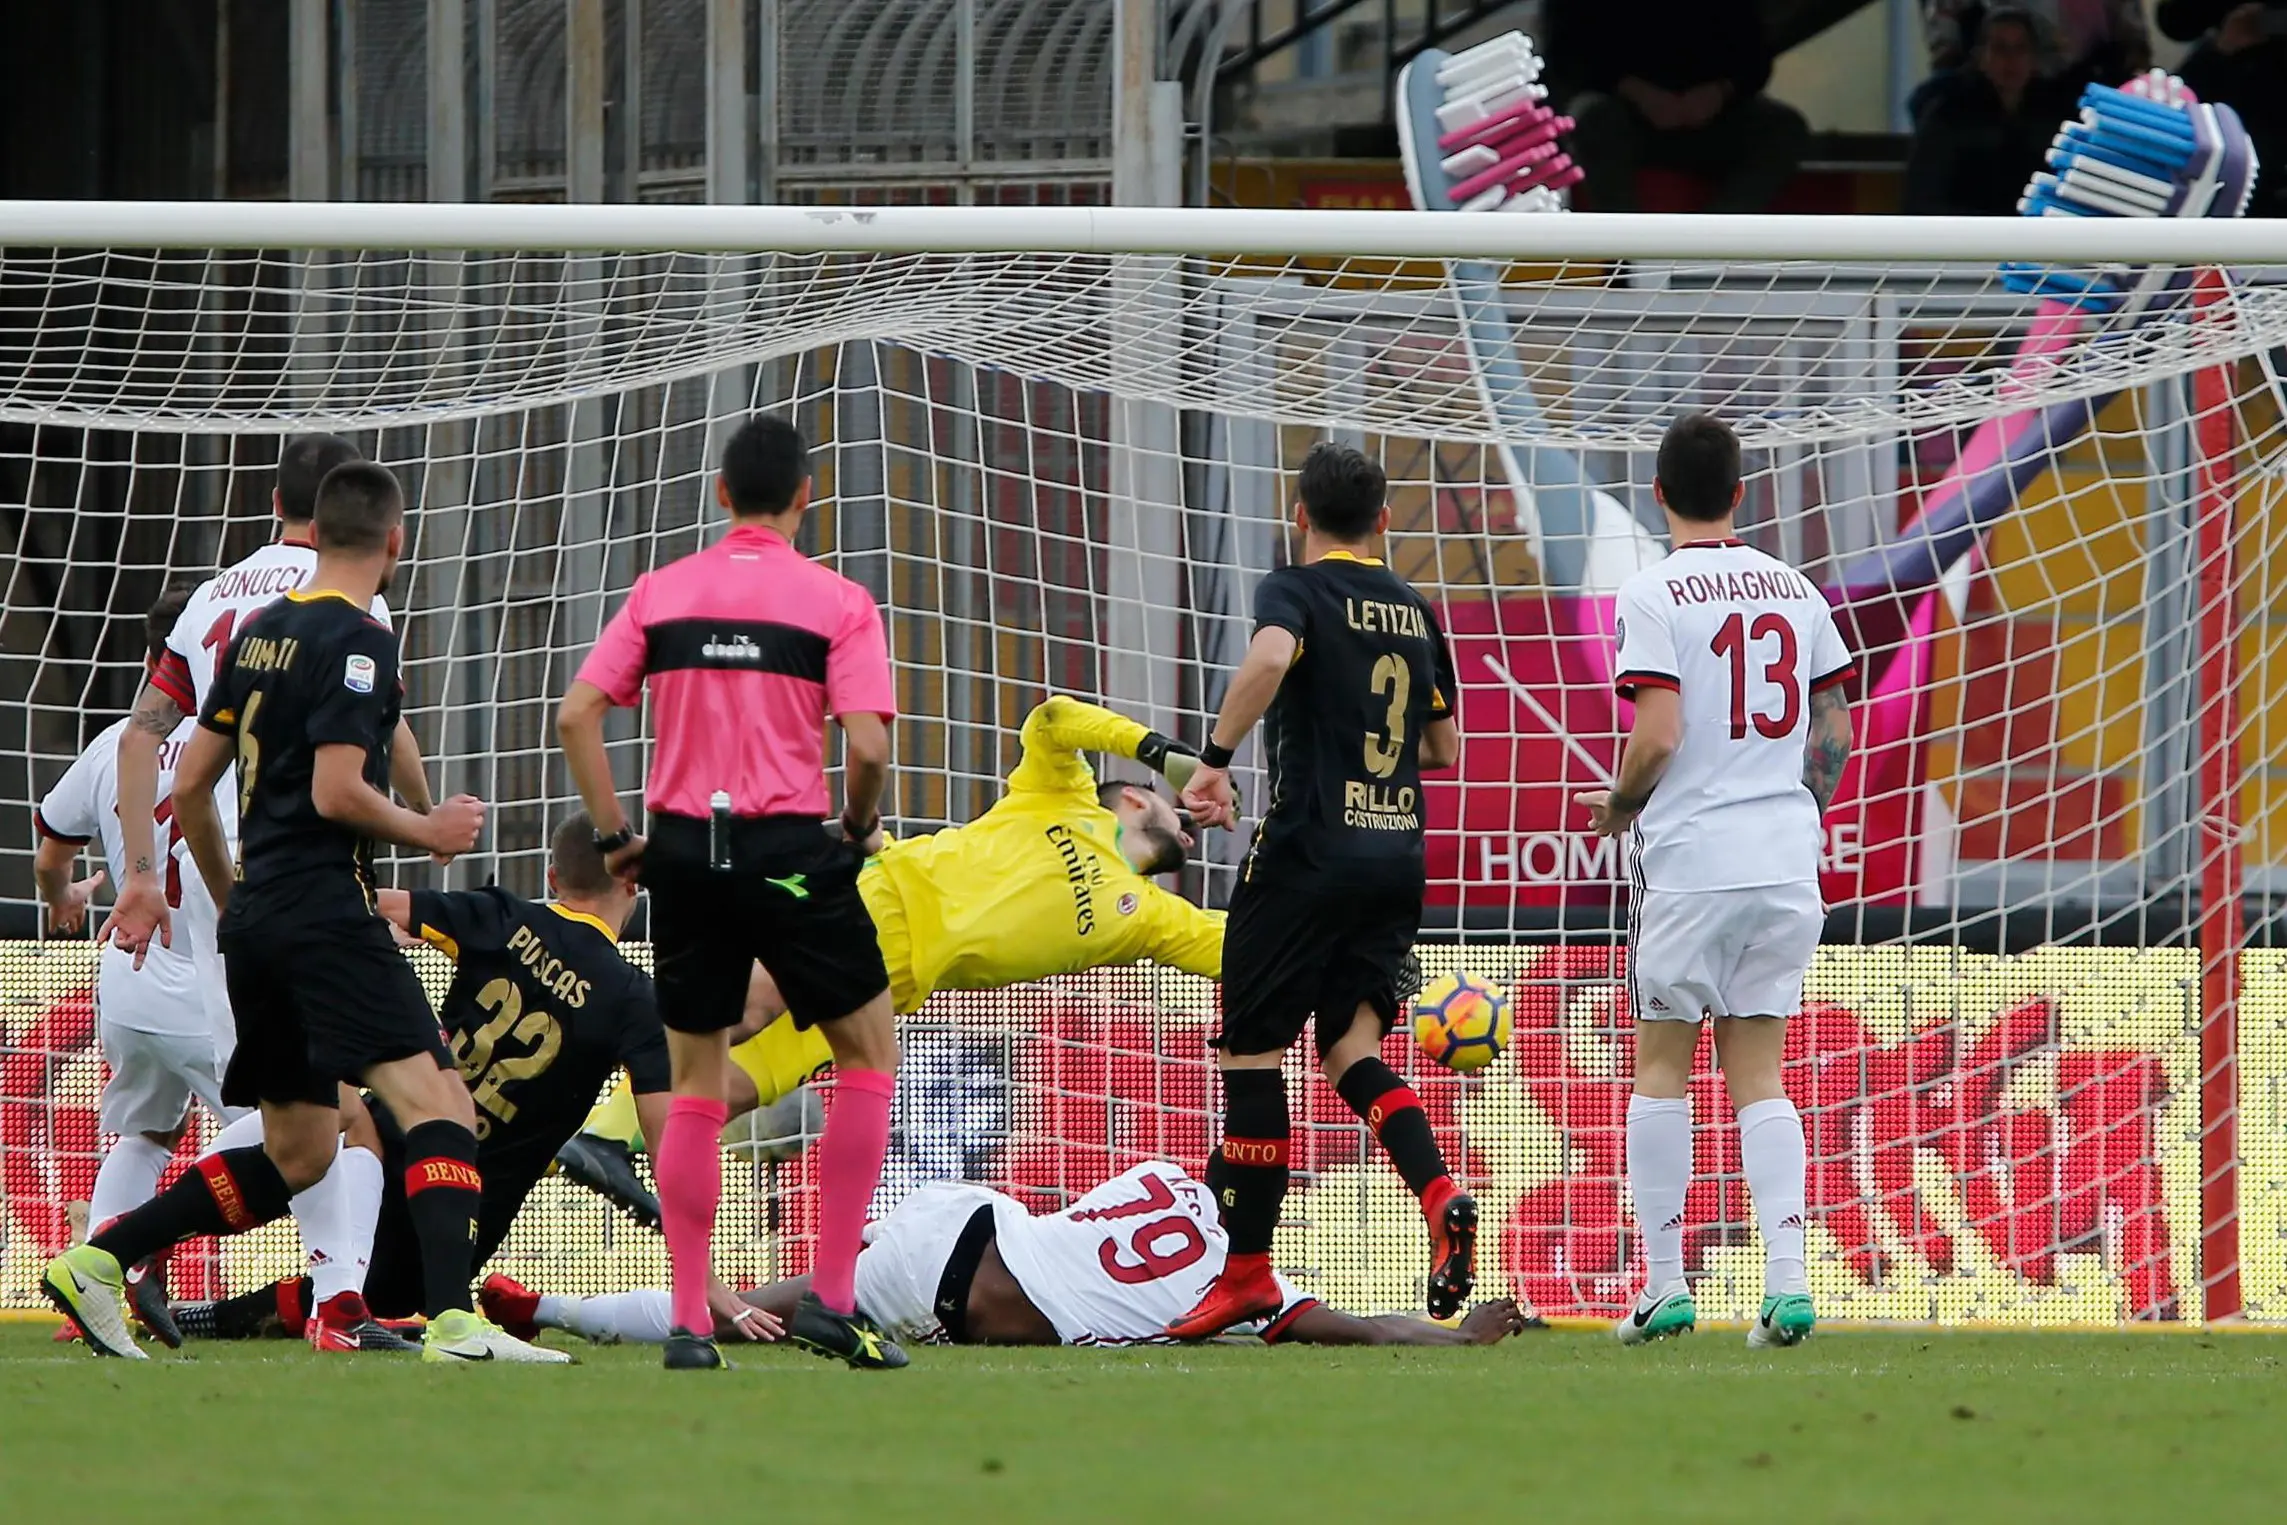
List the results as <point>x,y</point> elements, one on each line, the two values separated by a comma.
<point>1731,641</point>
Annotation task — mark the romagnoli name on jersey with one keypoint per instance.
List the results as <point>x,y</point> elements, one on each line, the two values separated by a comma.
<point>1343,737</point>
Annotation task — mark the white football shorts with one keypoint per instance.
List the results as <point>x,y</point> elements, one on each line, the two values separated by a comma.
<point>1722,953</point>
<point>905,1256</point>
<point>154,1076</point>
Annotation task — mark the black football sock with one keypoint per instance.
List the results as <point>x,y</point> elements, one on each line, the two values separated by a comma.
<point>274,1310</point>
<point>442,1194</point>
<point>1249,1173</point>
<point>226,1193</point>
<point>1389,1107</point>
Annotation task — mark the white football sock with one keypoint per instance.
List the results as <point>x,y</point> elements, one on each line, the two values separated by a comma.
<point>337,1218</point>
<point>128,1178</point>
<point>1771,1150</point>
<point>1659,1176</point>
<point>643,1318</point>
<point>246,1133</point>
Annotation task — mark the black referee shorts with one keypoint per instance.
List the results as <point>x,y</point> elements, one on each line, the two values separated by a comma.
<point>790,899</point>
<point>1295,953</point>
<point>319,997</point>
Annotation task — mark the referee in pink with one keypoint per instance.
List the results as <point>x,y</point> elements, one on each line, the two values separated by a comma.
<point>748,647</point>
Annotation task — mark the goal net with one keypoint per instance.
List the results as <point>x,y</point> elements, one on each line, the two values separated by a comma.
<point>1059,446</point>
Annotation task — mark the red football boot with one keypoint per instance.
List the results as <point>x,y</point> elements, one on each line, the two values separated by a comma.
<point>1246,1291</point>
<point>342,1324</point>
<point>511,1305</point>
<point>1452,1216</point>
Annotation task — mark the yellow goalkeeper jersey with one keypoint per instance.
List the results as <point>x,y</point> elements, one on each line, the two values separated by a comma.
<point>1036,885</point>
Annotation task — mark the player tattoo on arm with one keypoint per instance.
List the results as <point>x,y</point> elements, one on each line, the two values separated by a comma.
<point>1829,746</point>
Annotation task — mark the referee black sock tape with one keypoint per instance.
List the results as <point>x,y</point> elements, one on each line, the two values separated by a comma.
<point>226,1193</point>
<point>442,1194</point>
<point>1389,1107</point>
<point>1249,1174</point>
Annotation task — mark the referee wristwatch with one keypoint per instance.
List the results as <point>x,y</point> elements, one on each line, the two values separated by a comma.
<point>607,845</point>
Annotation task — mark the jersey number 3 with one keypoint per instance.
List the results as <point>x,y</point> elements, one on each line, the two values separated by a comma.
<point>1387,747</point>
<point>1731,641</point>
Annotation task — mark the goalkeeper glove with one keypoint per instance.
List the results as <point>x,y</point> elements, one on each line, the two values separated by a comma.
<point>1169,758</point>
<point>1407,981</point>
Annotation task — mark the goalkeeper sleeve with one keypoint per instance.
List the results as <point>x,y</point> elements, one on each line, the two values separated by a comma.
<point>1169,758</point>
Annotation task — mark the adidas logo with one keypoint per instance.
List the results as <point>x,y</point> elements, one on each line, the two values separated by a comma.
<point>1792,1220</point>
<point>1675,1222</point>
<point>1657,1004</point>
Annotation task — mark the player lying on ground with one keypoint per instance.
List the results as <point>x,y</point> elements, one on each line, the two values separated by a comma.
<point>1349,673</point>
<point>1057,877</point>
<point>542,1009</point>
<point>1741,730</point>
<point>957,1264</point>
<point>306,701</point>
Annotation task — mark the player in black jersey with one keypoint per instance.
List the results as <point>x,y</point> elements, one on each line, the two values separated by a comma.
<point>307,701</point>
<point>1351,676</point>
<point>542,1009</point>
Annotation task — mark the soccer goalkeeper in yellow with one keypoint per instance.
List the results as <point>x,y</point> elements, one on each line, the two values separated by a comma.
<point>1055,878</point>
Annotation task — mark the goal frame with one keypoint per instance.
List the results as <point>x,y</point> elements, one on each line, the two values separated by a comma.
<point>1177,233</point>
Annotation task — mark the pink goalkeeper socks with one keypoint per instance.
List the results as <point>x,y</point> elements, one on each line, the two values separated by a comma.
<point>688,1163</point>
<point>849,1168</point>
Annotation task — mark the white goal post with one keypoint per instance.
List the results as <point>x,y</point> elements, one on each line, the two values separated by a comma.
<point>1058,444</point>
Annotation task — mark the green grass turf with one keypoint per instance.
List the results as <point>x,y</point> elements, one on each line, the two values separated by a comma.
<point>1925,1427</point>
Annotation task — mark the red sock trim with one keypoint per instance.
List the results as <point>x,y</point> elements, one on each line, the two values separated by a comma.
<point>237,1218</point>
<point>867,1080</point>
<point>1255,1151</point>
<point>1436,1194</point>
<point>438,1170</point>
<point>1389,1104</point>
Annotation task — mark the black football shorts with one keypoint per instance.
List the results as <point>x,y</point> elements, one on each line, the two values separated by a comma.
<point>1297,953</point>
<point>789,899</point>
<point>319,998</point>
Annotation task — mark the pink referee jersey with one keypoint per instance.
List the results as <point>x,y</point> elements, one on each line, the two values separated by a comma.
<point>748,646</point>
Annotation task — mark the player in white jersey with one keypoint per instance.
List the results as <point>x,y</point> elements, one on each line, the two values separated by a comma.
<point>159,1041</point>
<point>178,687</point>
<point>1741,730</point>
<point>957,1264</point>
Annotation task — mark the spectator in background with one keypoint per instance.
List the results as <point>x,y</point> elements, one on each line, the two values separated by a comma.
<point>2080,41</point>
<point>2241,62</point>
<point>1675,84</point>
<point>1984,130</point>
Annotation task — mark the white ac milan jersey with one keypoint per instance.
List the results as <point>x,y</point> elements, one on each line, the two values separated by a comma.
<point>224,602</point>
<point>164,996</point>
<point>1126,1260</point>
<point>1745,640</point>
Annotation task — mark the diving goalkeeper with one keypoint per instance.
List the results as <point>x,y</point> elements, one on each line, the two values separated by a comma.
<point>1054,879</point>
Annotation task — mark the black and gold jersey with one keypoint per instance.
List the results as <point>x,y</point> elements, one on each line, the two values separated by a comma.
<point>308,671</point>
<point>543,1007</point>
<point>1343,736</point>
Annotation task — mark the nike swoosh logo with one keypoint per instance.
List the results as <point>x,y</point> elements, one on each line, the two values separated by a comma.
<point>462,1355</point>
<point>1644,1315</point>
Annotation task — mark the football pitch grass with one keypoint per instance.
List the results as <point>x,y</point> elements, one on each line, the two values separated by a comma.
<point>1855,1426</point>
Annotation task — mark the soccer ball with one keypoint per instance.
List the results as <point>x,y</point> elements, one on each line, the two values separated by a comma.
<point>1461,1021</point>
